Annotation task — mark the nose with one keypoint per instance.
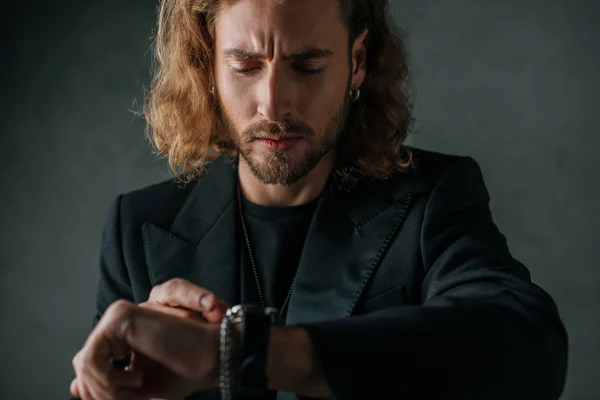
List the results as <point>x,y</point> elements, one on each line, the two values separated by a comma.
<point>275,95</point>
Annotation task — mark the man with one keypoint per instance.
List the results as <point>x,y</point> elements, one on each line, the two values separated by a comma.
<point>287,120</point>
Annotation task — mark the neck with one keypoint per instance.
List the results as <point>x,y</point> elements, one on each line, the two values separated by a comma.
<point>301,192</point>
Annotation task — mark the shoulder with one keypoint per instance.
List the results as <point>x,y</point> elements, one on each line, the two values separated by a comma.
<point>445,181</point>
<point>157,203</point>
<point>430,166</point>
<point>160,203</point>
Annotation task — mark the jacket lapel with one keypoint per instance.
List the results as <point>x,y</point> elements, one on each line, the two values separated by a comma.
<point>346,241</point>
<point>201,245</point>
<point>347,238</point>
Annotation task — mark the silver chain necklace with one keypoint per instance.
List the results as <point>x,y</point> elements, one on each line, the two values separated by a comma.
<point>251,257</point>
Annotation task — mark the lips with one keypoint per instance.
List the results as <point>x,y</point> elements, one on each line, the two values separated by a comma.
<point>278,145</point>
<point>277,138</point>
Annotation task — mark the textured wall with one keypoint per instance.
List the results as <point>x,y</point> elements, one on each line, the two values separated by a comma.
<point>513,83</point>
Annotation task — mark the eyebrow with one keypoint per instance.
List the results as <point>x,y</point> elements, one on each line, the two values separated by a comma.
<point>308,54</point>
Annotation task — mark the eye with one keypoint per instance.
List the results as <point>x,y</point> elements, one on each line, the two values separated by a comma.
<point>311,71</point>
<point>243,71</point>
<point>309,68</point>
<point>244,68</point>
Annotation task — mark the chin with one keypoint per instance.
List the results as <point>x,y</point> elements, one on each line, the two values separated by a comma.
<point>278,169</point>
<point>285,167</point>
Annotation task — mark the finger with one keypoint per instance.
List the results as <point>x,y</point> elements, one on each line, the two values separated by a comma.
<point>74,388</point>
<point>92,383</point>
<point>84,393</point>
<point>88,385</point>
<point>131,365</point>
<point>216,314</point>
<point>101,377</point>
<point>131,395</point>
<point>213,316</point>
<point>94,363</point>
<point>119,384</point>
<point>184,294</point>
<point>125,379</point>
<point>79,388</point>
<point>97,392</point>
<point>175,311</point>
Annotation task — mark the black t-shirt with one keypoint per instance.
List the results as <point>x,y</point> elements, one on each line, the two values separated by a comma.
<point>276,236</point>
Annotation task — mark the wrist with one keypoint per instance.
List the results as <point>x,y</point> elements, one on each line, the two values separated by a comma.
<point>293,364</point>
<point>290,360</point>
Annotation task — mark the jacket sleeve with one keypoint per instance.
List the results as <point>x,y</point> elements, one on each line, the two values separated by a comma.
<point>114,282</point>
<point>482,331</point>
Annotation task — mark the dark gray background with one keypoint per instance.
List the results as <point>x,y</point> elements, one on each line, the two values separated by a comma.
<point>513,83</point>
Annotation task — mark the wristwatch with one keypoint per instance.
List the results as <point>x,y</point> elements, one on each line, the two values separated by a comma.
<point>243,358</point>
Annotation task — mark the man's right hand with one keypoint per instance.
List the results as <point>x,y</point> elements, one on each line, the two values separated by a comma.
<point>183,299</point>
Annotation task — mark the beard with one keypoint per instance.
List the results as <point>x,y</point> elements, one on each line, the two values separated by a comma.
<point>285,168</point>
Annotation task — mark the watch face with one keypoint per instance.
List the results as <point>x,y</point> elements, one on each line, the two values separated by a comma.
<point>237,312</point>
<point>254,308</point>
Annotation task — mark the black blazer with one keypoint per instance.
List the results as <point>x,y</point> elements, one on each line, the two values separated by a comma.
<point>406,286</point>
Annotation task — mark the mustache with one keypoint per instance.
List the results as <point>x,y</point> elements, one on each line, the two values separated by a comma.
<point>286,129</point>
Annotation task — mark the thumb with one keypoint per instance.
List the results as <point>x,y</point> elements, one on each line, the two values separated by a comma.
<point>217,313</point>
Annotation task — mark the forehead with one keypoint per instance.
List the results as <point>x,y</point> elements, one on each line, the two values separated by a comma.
<point>272,25</point>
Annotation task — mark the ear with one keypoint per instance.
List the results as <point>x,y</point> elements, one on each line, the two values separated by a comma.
<point>359,59</point>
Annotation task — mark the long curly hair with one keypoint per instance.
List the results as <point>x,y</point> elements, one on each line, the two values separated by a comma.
<point>183,119</point>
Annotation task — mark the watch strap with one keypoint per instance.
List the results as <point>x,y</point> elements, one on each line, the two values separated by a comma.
<point>251,377</point>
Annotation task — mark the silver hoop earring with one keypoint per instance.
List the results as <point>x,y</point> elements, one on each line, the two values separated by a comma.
<point>212,90</point>
<point>354,94</point>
